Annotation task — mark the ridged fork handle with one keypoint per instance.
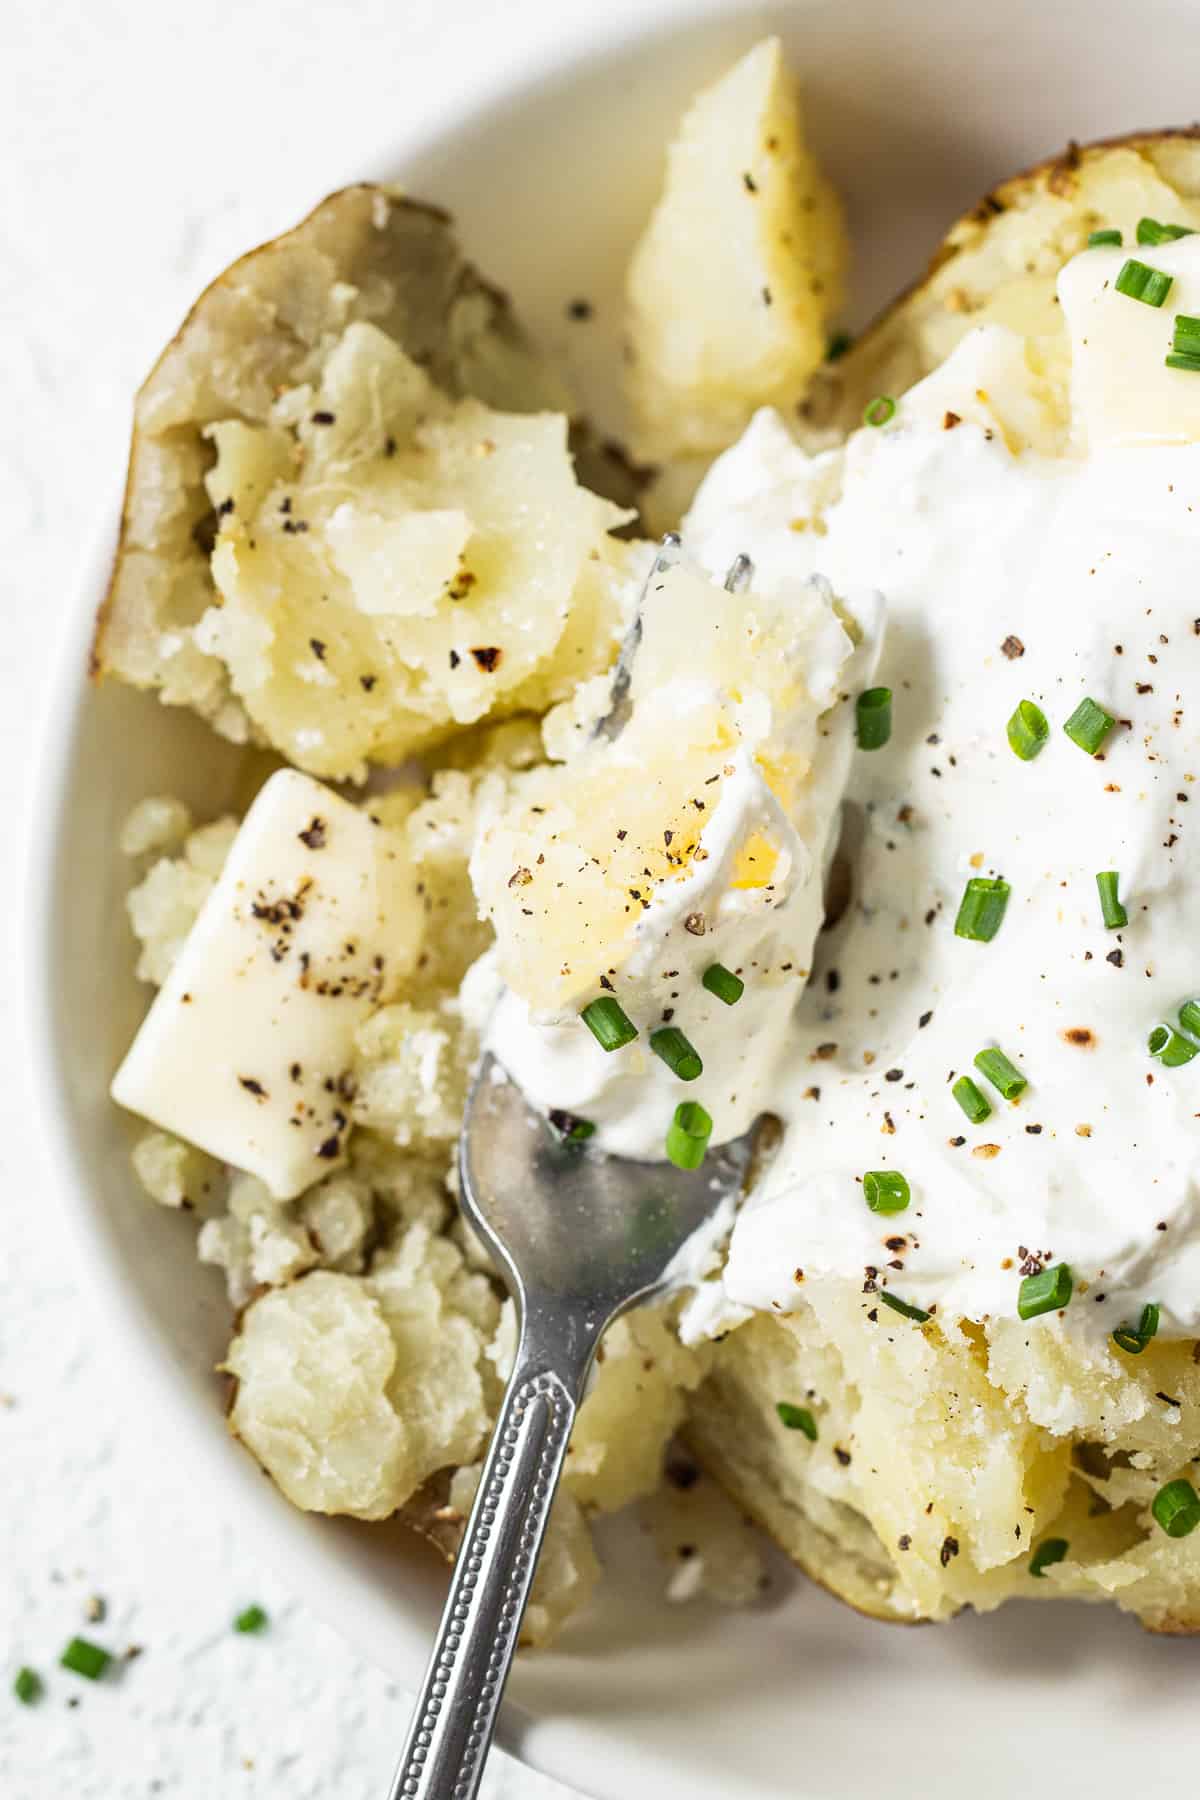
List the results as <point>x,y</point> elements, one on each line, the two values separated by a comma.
<point>455,1715</point>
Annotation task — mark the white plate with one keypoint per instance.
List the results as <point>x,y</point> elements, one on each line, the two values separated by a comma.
<point>914,110</point>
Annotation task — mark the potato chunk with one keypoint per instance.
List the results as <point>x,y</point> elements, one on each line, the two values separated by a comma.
<point>739,268</point>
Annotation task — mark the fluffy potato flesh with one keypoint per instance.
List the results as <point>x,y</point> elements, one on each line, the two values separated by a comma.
<point>327,546</point>
<point>738,271</point>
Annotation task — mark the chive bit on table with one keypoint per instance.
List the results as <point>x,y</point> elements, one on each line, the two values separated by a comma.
<point>252,1619</point>
<point>1185,343</point>
<point>1028,731</point>
<point>971,1100</point>
<point>84,1658</point>
<point>1047,1291</point>
<point>1111,910</point>
<point>879,410</point>
<point>1138,281</point>
<point>1170,1047</point>
<point>1176,1508</point>
<point>609,1023</point>
<point>1004,1075</point>
<point>1134,1338</point>
<point>797,1418</point>
<point>1151,231</point>
<point>27,1686</point>
<point>687,1138</point>
<point>981,909</point>
<point>873,718</point>
<point>1089,725</point>
<point>886,1190</point>
<point>1109,235</point>
<point>1050,1550</point>
<point>904,1307</point>
<point>723,983</point>
<point>678,1052</point>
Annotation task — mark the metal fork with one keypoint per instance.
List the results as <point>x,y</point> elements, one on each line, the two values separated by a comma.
<point>580,1237</point>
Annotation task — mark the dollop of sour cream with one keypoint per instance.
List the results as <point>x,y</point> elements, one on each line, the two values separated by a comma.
<point>1009,573</point>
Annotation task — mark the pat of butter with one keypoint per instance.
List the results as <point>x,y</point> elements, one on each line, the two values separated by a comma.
<point>1122,391</point>
<point>246,1050</point>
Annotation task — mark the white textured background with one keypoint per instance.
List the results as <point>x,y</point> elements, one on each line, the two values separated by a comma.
<point>142,146</point>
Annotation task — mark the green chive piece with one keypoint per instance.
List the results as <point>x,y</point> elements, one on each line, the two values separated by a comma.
<point>1150,231</point>
<point>1133,1339</point>
<point>679,1054</point>
<point>1171,1048</point>
<point>1180,359</point>
<point>1108,236</point>
<point>873,718</point>
<point>1111,910</point>
<point>1088,726</point>
<point>1189,1018</point>
<point>85,1658</point>
<point>981,909</point>
<point>723,983</point>
<point>879,410</point>
<point>886,1190</point>
<point>1185,335</point>
<point>253,1619</point>
<point>1050,1550</point>
<point>1139,281</point>
<point>797,1418</point>
<point>971,1100</point>
<point>1028,731</point>
<point>27,1686</point>
<point>838,345</point>
<point>608,1023</point>
<point>1176,1507</point>
<point>1045,1292</point>
<point>570,1128</point>
<point>1004,1075</point>
<point>903,1307</point>
<point>687,1138</point>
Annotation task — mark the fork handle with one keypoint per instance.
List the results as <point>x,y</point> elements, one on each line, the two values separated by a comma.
<point>455,1715</point>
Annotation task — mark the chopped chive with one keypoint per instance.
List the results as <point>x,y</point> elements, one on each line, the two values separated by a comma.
<point>251,1620</point>
<point>1050,1550</point>
<point>1171,1048</point>
<point>1028,731</point>
<point>1150,231</point>
<point>1004,1075</point>
<point>1047,1291</point>
<point>1111,910</point>
<point>570,1128</point>
<point>608,1023</point>
<point>981,909</point>
<point>1189,1017</point>
<point>886,1190</point>
<point>797,1418</point>
<point>1108,236</point>
<point>903,1307</point>
<point>85,1658</point>
<point>1185,334</point>
<point>873,718</point>
<point>1138,281</point>
<point>27,1686</point>
<point>879,410</point>
<point>1133,1339</point>
<point>1089,725</point>
<point>971,1100</point>
<point>687,1138</point>
<point>723,983</point>
<point>838,345</point>
<point>1176,1508</point>
<point>680,1055</point>
<point>1183,359</point>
